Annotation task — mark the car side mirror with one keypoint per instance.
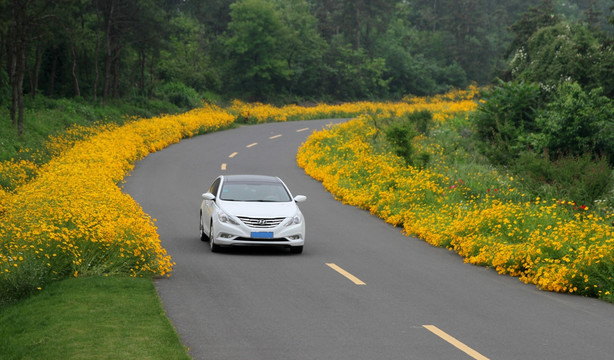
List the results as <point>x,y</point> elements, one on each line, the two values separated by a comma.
<point>300,198</point>
<point>208,196</point>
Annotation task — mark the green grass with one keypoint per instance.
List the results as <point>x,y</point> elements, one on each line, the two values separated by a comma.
<point>44,117</point>
<point>90,318</point>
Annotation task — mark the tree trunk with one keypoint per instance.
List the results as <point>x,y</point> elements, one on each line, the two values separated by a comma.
<point>17,68</point>
<point>108,58</point>
<point>97,52</point>
<point>19,91</point>
<point>357,28</point>
<point>152,78</point>
<point>116,76</point>
<point>18,76</point>
<point>74,72</point>
<point>142,64</point>
<point>12,72</point>
<point>107,77</point>
<point>37,68</point>
<point>54,65</point>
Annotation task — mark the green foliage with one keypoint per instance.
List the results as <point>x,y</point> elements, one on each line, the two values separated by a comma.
<point>561,147</point>
<point>409,70</point>
<point>194,66</point>
<point>45,116</point>
<point>302,47</point>
<point>576,122</point>
<point>400,136</point>
<point>401,132</point>
<point>561,52</point>
<point>581,179</point>
<point>255,40</point>
<point>351,74</point>
<point>535,18</point>
<point>179,94</point>
<point>505,115</point>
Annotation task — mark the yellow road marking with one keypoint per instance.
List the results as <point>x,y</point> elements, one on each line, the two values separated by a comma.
<point>459,345</point>
<point>233,154</point>
<point>303,129</point>
<point>275,136</point>
<point>223,166</point>
<point>351,277</point>
<point>252,144</point>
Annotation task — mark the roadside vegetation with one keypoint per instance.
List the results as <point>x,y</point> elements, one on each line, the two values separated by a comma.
<point>68,217</point>
<point>514,173</point>
<point>423,171</point>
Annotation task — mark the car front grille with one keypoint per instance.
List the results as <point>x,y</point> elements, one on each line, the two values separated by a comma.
<point>261,223</point>
<point>280,240</point>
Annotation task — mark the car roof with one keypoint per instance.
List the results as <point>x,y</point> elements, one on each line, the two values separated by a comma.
<point>251,178</point>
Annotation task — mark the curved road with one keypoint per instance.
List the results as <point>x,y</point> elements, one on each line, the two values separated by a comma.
<point>361,289</point>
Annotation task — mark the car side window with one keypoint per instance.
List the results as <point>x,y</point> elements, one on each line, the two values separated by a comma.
<point>214,187</point>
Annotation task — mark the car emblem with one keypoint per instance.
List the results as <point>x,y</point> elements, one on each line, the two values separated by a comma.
<point>262,222</point>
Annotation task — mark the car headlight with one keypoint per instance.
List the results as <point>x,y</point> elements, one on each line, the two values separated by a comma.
<point>225,218</point>
<point>295,220</point>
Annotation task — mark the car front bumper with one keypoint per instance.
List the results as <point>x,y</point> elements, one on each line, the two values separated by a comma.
<point>226,234</point>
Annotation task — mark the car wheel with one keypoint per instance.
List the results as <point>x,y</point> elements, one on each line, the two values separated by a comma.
<point>203,236</point>
<point>214,247</point>
<point>296,249</point>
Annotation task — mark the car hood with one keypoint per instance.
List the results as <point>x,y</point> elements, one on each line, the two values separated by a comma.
<point>259,209</point>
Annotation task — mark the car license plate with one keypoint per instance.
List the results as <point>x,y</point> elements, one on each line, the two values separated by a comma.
<point>262,235</point>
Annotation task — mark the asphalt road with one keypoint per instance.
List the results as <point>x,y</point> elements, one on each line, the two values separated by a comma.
<point>360,290</point>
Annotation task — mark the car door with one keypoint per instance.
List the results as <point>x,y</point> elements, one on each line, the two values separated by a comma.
<point>208,206</point>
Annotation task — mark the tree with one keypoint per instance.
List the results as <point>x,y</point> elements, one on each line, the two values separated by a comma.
<point>25,17</point>
<point>577,122</point>
<point>565,52</point>
<point>128,24</point>
<point>256,37</point>
<point>531,21</point>
<point>302,48</point>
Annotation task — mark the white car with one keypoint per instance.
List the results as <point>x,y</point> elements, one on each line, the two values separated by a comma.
<point>251,210</point>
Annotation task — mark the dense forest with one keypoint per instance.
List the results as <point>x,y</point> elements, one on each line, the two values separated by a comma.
<point>287,50</point>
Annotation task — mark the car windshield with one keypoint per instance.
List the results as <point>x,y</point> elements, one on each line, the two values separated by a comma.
<point>254,191</point>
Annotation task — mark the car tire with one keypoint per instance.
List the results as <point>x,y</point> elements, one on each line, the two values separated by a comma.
<point>214,247</point>
<point>296,249</point>
<point>203,236</point>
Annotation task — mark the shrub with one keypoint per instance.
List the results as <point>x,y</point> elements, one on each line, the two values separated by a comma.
<point>179,94</point>
<point>506,113</point>
<point>576,122</point>
<point>556,245</point>
<point>72,219</point>
<point>581,179</point>
<point>401,133</point>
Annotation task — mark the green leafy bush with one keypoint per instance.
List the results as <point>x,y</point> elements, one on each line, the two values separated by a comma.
<point>578,178</point>
<point>506,114</point>
<point>576,122</point>
<point>401,133</point>
<point>179,94</point>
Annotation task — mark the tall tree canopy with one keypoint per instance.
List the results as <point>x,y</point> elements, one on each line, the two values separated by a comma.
<point>289,50</point>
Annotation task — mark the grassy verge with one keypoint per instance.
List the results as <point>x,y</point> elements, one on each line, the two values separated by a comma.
<point>46,117</point>
<point>90,318</point>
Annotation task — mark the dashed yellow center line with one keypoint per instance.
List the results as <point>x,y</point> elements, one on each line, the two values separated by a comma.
<point>351,277</point>
<point>233,154</point>
<point>275,136</point>
<point>252,144</point>
<point>459,345</point>
<point>223,166</point>
<point>303,129</point>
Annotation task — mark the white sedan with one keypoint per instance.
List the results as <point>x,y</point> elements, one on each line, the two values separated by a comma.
<point>251,210</point>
